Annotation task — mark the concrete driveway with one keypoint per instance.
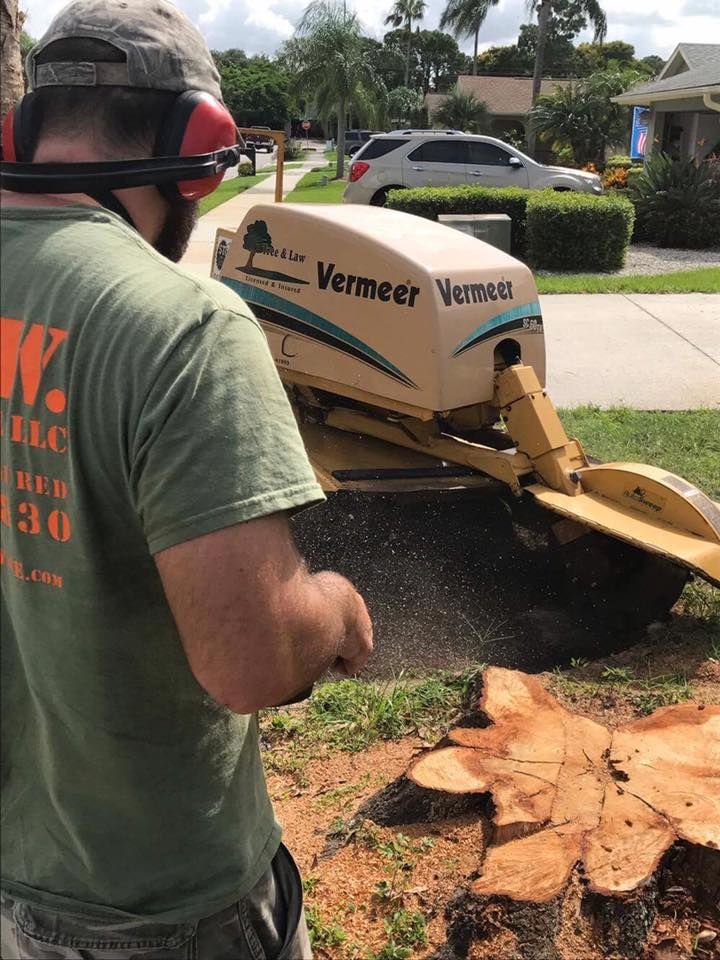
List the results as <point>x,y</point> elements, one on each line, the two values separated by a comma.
<point>650,351</point>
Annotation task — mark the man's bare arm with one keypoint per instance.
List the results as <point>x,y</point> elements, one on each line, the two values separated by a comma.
<point>257,627</point>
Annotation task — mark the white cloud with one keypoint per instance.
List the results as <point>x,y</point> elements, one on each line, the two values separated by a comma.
<point>702,8</point>
<point>268,19</point>
<point>261,27</point>
<point>213,9</point>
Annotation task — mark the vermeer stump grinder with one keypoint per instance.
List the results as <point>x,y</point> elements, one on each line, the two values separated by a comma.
<point>414,358</point>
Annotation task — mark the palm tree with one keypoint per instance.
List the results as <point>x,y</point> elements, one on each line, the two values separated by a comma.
<point>594,13</point>
<point>404,12</point>
<point>584,116</point>
<point>465,17</point>
<point>463,111</point>
<point>11,77</point>
<point>332,67</point>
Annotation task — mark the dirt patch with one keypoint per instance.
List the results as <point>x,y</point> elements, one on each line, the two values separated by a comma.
<point>417,872</point>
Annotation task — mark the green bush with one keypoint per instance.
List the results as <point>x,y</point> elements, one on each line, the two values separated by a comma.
<point>578,232</point>
<point>677,203</point>
<point>245,169</point>
<point>294,150</point>
<point>430,202</point>
<point>619,161</point>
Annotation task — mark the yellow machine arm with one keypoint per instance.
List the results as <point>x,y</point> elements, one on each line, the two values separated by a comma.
<point>642,505</point>
<point>646,507</point>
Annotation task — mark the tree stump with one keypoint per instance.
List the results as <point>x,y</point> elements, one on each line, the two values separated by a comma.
<point>574,799</point>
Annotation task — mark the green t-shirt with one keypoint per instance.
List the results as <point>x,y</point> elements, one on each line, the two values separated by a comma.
<point>139,408</point>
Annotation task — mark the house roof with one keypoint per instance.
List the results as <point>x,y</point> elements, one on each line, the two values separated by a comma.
<point>504,96</point>
<point>692,68</point>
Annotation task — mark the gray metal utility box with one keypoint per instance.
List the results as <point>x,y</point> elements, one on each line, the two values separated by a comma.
<point>493,228</point>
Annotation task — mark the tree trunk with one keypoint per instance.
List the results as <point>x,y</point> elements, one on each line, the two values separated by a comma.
<point>543,29</point>
<point>474,69</point>
<point>340,166</point>
<point>11,78</point>
<point>407,55</point>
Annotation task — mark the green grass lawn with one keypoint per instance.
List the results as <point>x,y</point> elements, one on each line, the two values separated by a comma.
<point>702,280</point>
<point>229,189</point>
<point>310,189</point>
<point>686,442</point>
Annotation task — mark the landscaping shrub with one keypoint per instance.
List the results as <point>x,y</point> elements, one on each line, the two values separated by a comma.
<point>578,232</point>
<point>245,169</point>
<point>294,150</point>
<point>619,162</point>
<point>615,178</point>
<point>677,203</point>
<point>430,202</point>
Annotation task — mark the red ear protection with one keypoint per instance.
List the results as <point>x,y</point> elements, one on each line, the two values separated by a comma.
<point>16,128</point>
<point>197,124</point>
<point>197,143</point>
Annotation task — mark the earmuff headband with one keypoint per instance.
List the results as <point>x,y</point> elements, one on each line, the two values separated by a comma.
<point>115,175</point>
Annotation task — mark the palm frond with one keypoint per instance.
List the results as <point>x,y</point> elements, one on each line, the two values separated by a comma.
<point>465,17</point>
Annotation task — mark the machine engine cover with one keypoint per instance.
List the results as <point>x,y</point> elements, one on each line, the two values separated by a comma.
<point>381,305</point>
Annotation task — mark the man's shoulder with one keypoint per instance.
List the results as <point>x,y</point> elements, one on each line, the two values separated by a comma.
<point>163,285</point>
<point>111,263</point>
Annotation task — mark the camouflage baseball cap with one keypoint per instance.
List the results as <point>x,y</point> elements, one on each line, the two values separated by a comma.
<point>163,49</point>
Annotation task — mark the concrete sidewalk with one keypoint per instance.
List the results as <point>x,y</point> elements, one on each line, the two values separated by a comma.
<point>650,351</point>
<point>229,214</point>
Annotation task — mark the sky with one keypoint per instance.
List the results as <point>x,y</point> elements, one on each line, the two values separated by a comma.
<point>260,26</point>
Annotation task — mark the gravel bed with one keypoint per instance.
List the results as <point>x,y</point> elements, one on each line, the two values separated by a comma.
<point>646,260</point>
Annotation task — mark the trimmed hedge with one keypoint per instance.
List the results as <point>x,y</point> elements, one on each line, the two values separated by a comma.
<point>619,161</point>
<point>430,202</point>
<point>634,172</point>
<point>578,232</point>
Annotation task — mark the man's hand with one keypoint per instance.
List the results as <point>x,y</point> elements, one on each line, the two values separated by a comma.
<point>256,626</point>
<point>357,643</point>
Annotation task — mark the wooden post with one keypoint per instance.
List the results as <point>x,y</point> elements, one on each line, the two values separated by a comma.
<point>279,137</point>
<point>279,167</point>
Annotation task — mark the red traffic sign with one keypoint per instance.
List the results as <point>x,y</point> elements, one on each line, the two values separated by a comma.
<point>306,124</point>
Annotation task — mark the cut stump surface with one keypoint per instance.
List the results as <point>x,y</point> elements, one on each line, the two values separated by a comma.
<point>568,790</point>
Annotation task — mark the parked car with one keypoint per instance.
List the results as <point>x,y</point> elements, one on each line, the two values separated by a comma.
<point>441,158</point>
<point>259,141</point>
<point>355,139</point>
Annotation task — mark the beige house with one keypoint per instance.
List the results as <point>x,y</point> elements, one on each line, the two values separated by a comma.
<point>508,98</point>
<point>683,102</point>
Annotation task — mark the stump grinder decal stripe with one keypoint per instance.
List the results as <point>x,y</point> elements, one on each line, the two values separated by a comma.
<point>290,316</point>
<point>511,319</point>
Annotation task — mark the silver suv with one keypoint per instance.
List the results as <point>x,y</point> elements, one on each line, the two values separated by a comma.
<point>445,158</point>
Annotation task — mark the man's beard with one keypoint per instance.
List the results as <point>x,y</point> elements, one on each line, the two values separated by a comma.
<point>175,233</point>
